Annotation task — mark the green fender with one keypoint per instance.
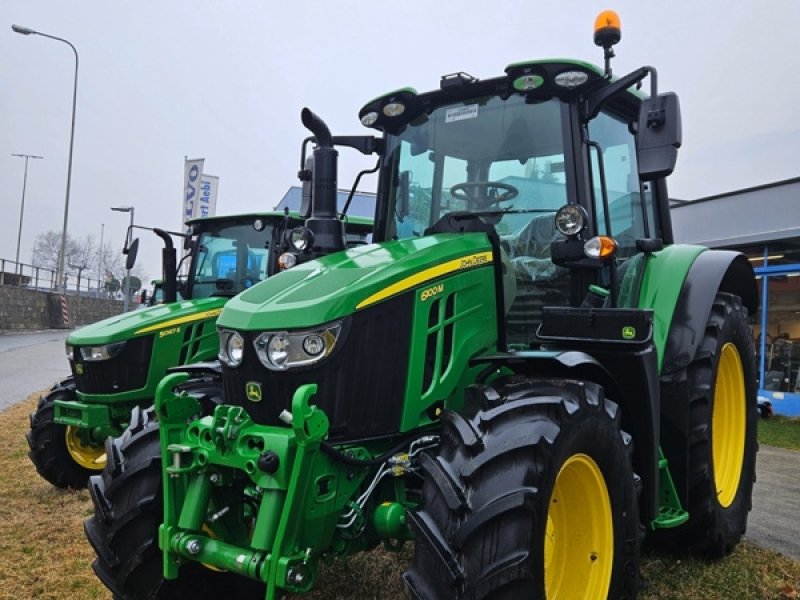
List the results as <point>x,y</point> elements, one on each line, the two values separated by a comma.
<point>679,283</point>
<point>713,271</point>
<point>662,281</point>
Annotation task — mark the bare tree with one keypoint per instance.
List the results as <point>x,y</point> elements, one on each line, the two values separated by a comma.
<point>79,252</point>
<point>84,258</point>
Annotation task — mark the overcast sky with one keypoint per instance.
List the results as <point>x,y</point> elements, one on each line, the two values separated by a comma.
<point>226,80</point>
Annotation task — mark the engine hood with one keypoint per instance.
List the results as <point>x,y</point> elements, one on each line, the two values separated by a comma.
<point>146,321</point>
<point>340,284</point>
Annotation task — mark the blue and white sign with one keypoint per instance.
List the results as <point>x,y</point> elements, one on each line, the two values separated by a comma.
<point>206,205</point>
<point>192,178</point>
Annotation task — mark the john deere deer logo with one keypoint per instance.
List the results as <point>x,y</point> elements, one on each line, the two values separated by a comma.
<point>252,390</point>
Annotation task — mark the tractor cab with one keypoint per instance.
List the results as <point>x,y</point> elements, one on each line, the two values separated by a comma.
<point>231,255</point>
<point>524,157</point>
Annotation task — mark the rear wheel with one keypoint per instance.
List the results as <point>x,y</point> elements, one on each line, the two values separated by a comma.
<point>532,497</point>
<point>129,508</point>
<point>63,455</point>
<point>723,415</point>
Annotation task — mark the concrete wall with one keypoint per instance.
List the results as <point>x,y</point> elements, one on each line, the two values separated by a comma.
<point>29,310</point>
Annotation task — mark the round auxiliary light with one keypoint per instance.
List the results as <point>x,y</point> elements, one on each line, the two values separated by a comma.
<point>301,238</point>
<point>314,345</point>
<point>259,224</point>
<point>571,79</point>
<point>394,109</point>
<point>600,246</point>
<point>278,350</point>
<point>571,219</point>
<point>526,83</point>
<point>287,260</point>
<point>368,120</point>
<point>235,349</point>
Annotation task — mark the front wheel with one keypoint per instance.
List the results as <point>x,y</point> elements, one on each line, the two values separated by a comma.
<point>63,455</point>
<point>532,497</point>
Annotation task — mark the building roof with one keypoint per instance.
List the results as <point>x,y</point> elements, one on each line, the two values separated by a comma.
<point>362,205</point>
<point>754,215</point>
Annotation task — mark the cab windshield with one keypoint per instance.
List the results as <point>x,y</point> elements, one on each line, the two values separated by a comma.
<point>229,258</point>
<point>503,159</point>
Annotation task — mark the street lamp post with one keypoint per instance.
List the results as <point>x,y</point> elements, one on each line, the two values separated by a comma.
<point>127,209</point>
<point>22,205</point>
<point>101,273</point>
<point>28,31</point>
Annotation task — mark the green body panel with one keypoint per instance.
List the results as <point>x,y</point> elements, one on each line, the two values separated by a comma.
<point>131,324</point>
<point>334,286</point>
<point>454,320</point>
<point>662,283</point>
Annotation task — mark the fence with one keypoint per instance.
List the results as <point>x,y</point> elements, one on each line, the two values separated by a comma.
<point>44,280</point>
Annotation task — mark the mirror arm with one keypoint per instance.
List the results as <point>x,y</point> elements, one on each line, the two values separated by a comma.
<point>595,101</point>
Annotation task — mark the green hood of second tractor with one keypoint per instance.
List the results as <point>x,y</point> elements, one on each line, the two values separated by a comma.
<point>338,285</point>
<point>146,321</point>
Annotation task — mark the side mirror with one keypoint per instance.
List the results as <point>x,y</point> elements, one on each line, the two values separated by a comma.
<point>658,136</point>
<point>133,249</point>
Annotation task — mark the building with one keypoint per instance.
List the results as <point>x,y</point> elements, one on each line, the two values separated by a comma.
<point>763,223</point>
<point>361,205</point>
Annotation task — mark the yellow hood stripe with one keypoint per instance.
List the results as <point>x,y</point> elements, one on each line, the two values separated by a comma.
<point>480,259</point>
<point>181,321</point>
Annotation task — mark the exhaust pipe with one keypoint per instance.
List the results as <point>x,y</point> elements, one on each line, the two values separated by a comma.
<point>324,223</point>
<point>169,267</point>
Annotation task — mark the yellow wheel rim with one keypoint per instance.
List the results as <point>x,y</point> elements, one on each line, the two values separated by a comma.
<point>579,539</point>
<point>728,425</point>
<point>86,455</point>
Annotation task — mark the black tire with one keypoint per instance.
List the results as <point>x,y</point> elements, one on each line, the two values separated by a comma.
<point>718,504</point>
<point>128,509</point>
<point>488,498</point>
<point>48,448</point>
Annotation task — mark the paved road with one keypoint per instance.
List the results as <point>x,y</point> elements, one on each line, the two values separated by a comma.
<point>774,522</point>
<point>30,362</point>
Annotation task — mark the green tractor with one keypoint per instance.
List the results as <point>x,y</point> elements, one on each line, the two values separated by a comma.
<point>116,363</point>
<point>523,375</point>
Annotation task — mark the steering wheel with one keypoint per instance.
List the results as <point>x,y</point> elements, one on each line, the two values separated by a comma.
<point>484,193</point>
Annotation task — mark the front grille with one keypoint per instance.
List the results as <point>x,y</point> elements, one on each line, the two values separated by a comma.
<point>361,386</point>
<point>126,371</point>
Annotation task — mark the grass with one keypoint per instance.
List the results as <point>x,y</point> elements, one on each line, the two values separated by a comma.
<point>781,432</point>
<point>44,554</point>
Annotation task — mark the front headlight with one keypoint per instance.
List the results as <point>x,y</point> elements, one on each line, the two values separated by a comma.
<point>281,350</point>
<point>70,352</point>
<point>231,348</point>
<point>100,353</point>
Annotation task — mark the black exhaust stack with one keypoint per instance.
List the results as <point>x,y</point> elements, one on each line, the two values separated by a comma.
<point>169,263</point>
<point>324,223</point>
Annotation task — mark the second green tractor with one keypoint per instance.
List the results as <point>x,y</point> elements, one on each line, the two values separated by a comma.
<point>116,363</point>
